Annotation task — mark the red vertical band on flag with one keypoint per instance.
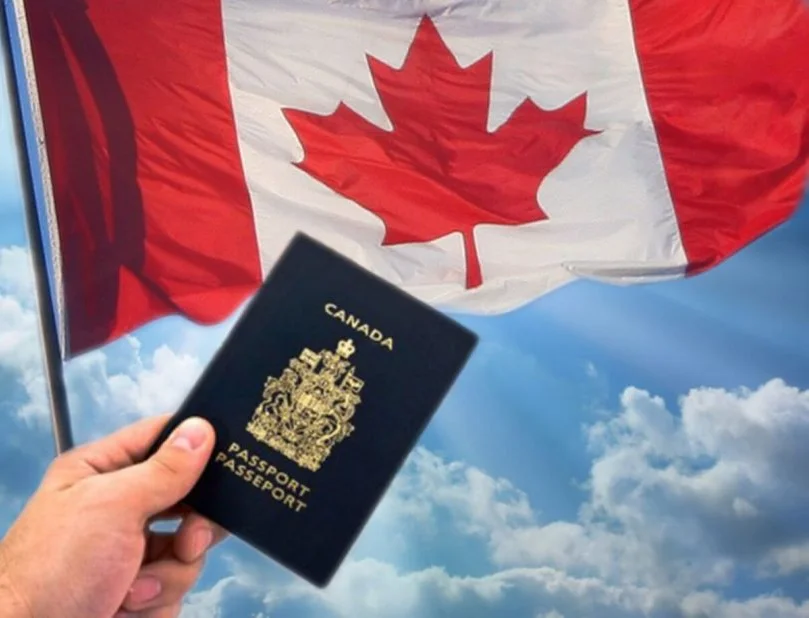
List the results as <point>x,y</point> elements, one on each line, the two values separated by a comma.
<point>728,90</point>
<point>152,207</point>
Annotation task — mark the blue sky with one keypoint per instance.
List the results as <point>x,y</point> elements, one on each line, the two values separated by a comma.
<point>608,452</point>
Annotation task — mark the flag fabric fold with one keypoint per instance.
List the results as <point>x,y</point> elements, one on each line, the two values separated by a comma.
<point>478,154</point>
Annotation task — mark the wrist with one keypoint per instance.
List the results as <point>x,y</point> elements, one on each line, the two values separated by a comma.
<point>13,603</point>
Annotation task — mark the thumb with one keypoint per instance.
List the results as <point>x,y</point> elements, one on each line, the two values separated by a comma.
<point>164,479</point>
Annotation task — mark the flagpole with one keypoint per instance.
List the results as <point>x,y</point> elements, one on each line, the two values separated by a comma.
<point>49,337</point>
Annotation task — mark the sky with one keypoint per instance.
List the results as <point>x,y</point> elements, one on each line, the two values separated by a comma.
<point>608,452</point>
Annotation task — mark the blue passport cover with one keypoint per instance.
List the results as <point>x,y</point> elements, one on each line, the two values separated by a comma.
<point>317,395</point>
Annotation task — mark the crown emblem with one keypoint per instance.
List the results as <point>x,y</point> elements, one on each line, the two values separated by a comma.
<point>346,348</point>
<point>307,410</point>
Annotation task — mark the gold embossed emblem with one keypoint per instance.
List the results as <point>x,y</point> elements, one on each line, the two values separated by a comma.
<point>307,410</point>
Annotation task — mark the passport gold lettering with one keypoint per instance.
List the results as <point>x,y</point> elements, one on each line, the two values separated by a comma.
<point>263,476</point>
<point>307,411</point>
<point>359,325</point>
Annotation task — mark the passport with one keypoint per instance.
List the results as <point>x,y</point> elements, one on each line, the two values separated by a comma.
<point>318,394</point>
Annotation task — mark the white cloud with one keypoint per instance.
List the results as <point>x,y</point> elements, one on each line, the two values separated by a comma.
<point>371,588</point>
<point>19,342</point>
<point>101,397</point>
<point>787,560</point>
<point>678,503</point>
<point>208,604</point>
<point>479,503</point>
<point>16,275</point>
<point>712,486</point>
<point>159,385</point>
<point>711,605</point>
<point>142,387</point>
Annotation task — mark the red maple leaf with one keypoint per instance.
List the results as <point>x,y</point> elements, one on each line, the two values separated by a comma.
<point>439,170</point>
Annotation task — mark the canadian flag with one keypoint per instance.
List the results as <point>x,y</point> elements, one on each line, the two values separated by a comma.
<point>477,153</point>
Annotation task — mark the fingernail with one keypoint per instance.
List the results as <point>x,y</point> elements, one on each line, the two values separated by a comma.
<point>202,540</point>
<point>190,435</point>
<point>144,590</point>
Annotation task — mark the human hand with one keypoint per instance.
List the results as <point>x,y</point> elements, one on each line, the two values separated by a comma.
<point>81,548</point>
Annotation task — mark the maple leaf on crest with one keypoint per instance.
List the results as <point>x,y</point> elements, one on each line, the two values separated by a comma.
<point>439,170</point>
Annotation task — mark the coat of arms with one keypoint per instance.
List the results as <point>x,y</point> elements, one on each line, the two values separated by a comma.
<point>306,411</point>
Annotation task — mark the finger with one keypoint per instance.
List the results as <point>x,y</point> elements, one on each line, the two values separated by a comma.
<point>178,511</point>
<point>172,611</point>
<point>159,546</point>
<point>195,536</point>
<point>161,583</point>
<point>169,611</point>
<point>118,450</point>
<point>166,477</point>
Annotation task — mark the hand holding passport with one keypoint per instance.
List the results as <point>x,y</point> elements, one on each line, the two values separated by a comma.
<point>317,396</point>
